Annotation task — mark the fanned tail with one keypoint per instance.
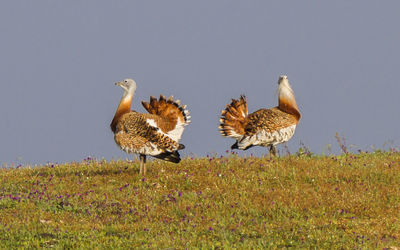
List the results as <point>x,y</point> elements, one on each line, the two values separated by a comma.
<point>233,118</point>
<point>177,115</point>
<point>169,109</point>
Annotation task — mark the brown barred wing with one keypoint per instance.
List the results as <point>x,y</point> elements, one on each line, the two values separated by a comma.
<point>137,129</point>
<point>269,120</point>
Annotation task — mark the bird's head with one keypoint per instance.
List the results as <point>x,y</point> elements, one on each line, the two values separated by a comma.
<point>284,87</point>
<point>283,79</point>
<point>129,85</point>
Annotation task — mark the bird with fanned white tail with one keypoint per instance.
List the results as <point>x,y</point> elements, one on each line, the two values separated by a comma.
<point>156,133</point>
<point>264,127</point>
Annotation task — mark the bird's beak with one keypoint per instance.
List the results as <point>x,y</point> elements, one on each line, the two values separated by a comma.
<point>118,84</point>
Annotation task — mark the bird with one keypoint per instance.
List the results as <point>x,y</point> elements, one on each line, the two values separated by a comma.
<point>156,133</point>
<point>264,127</point>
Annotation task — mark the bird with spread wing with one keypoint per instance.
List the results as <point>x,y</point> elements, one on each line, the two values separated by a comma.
<point>156,133</point>
<point>264,127</point>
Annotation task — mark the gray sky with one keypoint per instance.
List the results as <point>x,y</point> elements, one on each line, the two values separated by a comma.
<point>59,61</point>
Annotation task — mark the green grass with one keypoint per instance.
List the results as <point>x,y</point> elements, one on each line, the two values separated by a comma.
<point>349,201</point>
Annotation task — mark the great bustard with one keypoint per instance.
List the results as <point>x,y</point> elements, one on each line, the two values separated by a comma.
<point>156,134</point>
<point>265,127</point>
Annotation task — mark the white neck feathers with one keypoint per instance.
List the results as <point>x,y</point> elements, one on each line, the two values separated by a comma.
<point>127,96</point>
<point>285,90</point>
<point>287,101</point>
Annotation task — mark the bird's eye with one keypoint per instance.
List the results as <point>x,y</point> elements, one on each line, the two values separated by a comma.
<point>125,81</point>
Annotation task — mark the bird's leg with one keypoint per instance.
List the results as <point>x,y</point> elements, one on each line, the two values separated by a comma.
<point>144,164</point>
<point>141,164</point>
<point>272,150</point>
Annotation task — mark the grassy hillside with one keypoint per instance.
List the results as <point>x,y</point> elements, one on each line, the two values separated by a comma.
<point>348,201</point>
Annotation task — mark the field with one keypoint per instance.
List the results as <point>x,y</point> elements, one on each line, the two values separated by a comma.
<point>347,201</point>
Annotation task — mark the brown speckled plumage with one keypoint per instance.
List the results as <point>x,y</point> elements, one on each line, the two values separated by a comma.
<point>264,127</point>
<point>269,120</point>
<point>133,134</point>
<point>156,134</point>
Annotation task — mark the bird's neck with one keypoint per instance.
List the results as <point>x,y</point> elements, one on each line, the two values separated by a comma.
<point>287,102</point>
<point>123,108</point>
